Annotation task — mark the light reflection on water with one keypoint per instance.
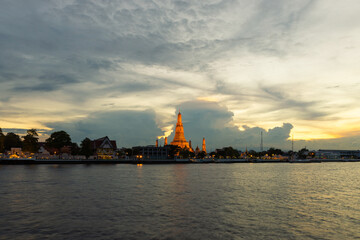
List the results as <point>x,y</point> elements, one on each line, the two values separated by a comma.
<point>198,201</point>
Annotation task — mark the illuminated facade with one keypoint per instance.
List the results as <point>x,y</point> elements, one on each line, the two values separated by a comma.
<point>179,138</point>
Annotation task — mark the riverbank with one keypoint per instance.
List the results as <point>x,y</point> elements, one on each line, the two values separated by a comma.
<point>8,161</point>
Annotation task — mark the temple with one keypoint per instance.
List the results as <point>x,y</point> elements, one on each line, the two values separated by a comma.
<point>203,146</point>
<point>179,138</point>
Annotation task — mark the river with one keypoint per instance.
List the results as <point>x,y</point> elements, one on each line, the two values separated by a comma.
<point>180,201</point>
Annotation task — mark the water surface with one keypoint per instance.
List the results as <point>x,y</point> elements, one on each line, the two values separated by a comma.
<point>190,201</point>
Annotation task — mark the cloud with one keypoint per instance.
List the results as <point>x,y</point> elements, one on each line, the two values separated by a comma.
<point>281,99</point>
<point>215,123</point>
<point>21,132</point>
<point>128,128</point>
<point>346,143</point>
<point>49,82</point>
<point>268,62</point>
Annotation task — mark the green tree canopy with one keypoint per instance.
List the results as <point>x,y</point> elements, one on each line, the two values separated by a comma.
<point>273,151</point>
<point>252,154</point>
<point>30,143</point>
<point>303,153</point>
<point>227,152</point>
<point>58,140</point>
<point>32,132</point>
<point>201,155</point>
<point>186,153</point>
<point>75,150</point>
<point>174,151</point>
<point>12,140</point>
<point>86,148</point>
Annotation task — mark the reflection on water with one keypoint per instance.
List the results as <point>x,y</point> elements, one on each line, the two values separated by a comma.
<point>198,201</point>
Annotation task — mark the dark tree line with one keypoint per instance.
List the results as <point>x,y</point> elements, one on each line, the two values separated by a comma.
<point>58,142</point>
<point>30,143</point>
<point>226,152</point>
<point>61,139</point>
<point>12,140</point>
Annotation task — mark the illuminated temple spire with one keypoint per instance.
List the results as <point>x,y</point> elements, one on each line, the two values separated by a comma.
<point>179,139</point>
<point>203,146</point>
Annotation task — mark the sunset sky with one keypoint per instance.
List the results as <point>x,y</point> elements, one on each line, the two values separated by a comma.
<point>233,68</point>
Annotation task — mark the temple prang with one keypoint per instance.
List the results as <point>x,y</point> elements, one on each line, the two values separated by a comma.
<point>179,138</point>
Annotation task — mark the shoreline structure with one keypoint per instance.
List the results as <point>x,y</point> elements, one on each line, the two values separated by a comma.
<point>19,161</point>
<point>104,153</point>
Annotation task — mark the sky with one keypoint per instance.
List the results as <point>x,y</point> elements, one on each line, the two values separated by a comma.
<point>123,69</point>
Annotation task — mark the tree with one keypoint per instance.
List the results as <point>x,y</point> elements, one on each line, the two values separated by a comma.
<point>253,154</point>
<point>272,151</point>
<point>75,150</point>
<point>58,140</point>
<point>186,153</point>
<point>86,148</point>
<point>212,154</point>
<point>30,143</point>
<point>12,140</point>
<point>233,153</point>
<point>302,154</point>
<point>201,155</point>
<point>2,141</point>
<point>174,151</point>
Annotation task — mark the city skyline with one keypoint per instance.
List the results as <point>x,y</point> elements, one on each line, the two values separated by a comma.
<point>234,68</point>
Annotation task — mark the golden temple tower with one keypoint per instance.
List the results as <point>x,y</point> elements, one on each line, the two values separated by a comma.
<point>179,138</point>
<point>203,145</point>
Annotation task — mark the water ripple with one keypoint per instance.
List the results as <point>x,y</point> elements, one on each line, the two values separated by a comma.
<point>202,201</point>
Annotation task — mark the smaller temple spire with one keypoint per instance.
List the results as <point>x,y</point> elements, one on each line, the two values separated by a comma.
<point>197,150</point>
<point>165,143</point>
<point>157,143</point>
<point>203,146</point>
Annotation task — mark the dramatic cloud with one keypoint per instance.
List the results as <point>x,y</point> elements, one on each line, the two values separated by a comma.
<point>215,123</point>
<point>128,128</point>
<point>265,62</point>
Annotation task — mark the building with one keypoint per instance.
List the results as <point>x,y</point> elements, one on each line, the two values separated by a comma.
<point>337,154</point>
<point>104,148</point>
<point>179,138</point>
<point>43,152</point>
<point>151,152</point>
<point>16,153</point>
<point>197,150</point>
